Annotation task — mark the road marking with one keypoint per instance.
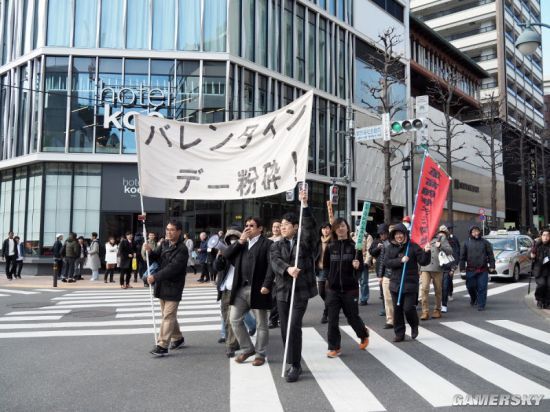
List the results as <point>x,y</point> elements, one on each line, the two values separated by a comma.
<point>524,330</point>
<point>252,388</point>
<point>39,312</point>
<point>28,318</point>
<point>343,389</point>
<point>1,294</point>
<point>99,332</point>
<point>95,299</point>
<point>180,313</point>
<point>51,290</point>
<point>509,346</point>
<point>113,300</point>
<point>18,292</point>
<point>140,309</point>
<point>456,289</point>
<point>436,390</point>
<point>490,371</point>
<point>503,289</point>
<point>103,323</point>
<point>144,291</point>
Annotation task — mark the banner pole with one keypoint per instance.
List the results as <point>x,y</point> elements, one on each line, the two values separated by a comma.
<point>293,287</point>
<point>147,260</point>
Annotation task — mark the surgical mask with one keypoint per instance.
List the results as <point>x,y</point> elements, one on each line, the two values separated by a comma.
<point>232,241</point>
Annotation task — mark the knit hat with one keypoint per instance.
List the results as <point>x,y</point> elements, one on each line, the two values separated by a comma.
<point>382,228</point>
<point>58,235</point>
<point>231,232</point>
<point>444,229</point>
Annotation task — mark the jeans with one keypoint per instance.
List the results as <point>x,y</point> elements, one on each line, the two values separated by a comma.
<point>347,301</point>
<point>153,268</point>
<point>18,268</point>
<point>476,283</point>
<point>364,285</point>
<point>447,287</point>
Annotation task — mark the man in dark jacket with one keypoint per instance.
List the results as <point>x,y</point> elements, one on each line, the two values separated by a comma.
<point>57,255</point>
<point>169,281</point>
<point>127,252</point>
<point>477,259</point>
<point>251,259</point>
<point>72,252</point>
<point>541,269</point>
<point>395,258</point>
<point>9,253</point>
<point>283,258</point>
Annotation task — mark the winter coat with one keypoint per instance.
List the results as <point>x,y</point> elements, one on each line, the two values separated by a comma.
<point>203,250</point>
<point>477,254</point>
<point>338,263</point>
<point>455,244</point>
<point>20,251</point>
<point>377,255</point>
<point>393,254</point>
<point>282,258</point>
<point>125,249</point>
<point>56,249</point>
<point>6,248</point>
<point>190,245</point>
<point>541,251</point>
<point>435,265</point>
<point>72,248</point>
<point>93,256</point>
<point>170,278</point>
<point>111,253</point>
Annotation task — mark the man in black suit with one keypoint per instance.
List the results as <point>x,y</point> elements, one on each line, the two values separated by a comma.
<point>9,253</point>
<point>250,257</point>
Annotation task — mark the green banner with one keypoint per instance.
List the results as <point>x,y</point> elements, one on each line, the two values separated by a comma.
<point>362,226</point>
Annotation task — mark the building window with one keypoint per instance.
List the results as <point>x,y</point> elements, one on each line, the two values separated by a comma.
<point>248,94</point>
<point>59,22</point>
<point>341,64</point>
<point>86,199</point>
<point>215,25</point>
<point>311,46</point>
<point>6,191</point>
<point>288,38</point>
<point>248,27</point>
<point>81,129</point>
<point>311,167</point>
<point>34,208</point>
<point>262,94</point>
<point>137,25</point>
<point>164,24</point>
<point>136,74</point>
<point>55,104</point>
<point>37,98</point>
<point>187,91</point>
<point>392,7</point>
<point>19,195</point>
<point>323,137</point>
<point>322,54</point>
<point>235,27</point>
<point>112,12</point>
<point>57,203</point>
<point>333,136</point>
<point>261,44</point>
<point>213,91</point>
<point>108,136</point>
<point>85,26</point>
<point>301,43</point>
<point>189,20</point>
<point>275,36</point>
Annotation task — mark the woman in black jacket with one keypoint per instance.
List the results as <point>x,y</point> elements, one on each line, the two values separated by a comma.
<point>395,259</point>
<point>343,264</point>
<point>541,269</point>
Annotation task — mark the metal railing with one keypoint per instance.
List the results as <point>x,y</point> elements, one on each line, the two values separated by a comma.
<point>457,9</point>
<point>471,32</point>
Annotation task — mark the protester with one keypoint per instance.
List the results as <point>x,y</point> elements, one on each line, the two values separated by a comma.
<point>433,272</point>
<point>477,259</point>
<point>169,282</point>
<point>71,251</point>
<point>283,258</point>
<point>343,265</point>
<point>383,273</point>
<point>191,250</point>
<point>94,261</point>
<point>20,256</point>
<point>251,259</point>
<point>127,253</point>
<point>202,256</point>
<point>139,260</point>
<point>276,231</point>
<point>274,314</point>
<point>396,258</point>
<point>541,269</point>
<point>9,253</point>
<point>111,259</point>
<point>325,236</point>
<point>80,261</point>
<point>57,250</point>
<point>364,292</point>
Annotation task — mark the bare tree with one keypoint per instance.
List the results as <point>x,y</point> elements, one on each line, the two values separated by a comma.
<point>391,71</point>
<point>444,94</point>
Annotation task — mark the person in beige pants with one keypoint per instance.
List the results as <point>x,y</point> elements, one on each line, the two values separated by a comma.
<point>434,272</point>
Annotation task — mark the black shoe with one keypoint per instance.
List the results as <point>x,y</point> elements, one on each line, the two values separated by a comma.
<point>473,302</point>
<point>177,343</point>
<point>273,325</point>
<point>19,277</point>
<point>71,280</point>
<point>10,278</point>
<point>221,340</point>
<point>481,308</point>
<point>111,281</point>
<point>388,326</point>
<point>159,351</point>
<point>230,354</point>
<point>293,373</point>
<point>252,332</point>
<point>414,332</point>
<point>398,338</point>
<point>363,303</point>
<point>62,280</point>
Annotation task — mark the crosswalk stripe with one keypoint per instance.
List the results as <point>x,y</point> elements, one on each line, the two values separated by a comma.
<point>141,309</point>
<point>456,289</point>
<point>509,346</point>
<point>104,323</point>
<point>436,390</point>
<point>1,294</point>
<point>503,289</point>
<point>18,292</point>
<point>106,298</point>
<point>50,290</point>
<point>28,318</point>
<point>180,313</point>
<point>524,330</point>
<point>99,332</point>
<point>490,371</point>
<point>77,302</point>
<point>117,305</point>
<point>135,290</point>
<point>259,392</point>
<point>343,389</point>
<point>39,312</point>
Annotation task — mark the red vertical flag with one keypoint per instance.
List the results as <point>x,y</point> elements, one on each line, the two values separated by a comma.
<point>430,199</point>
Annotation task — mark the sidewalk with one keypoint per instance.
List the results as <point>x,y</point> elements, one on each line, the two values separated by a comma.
<point>47,282</point>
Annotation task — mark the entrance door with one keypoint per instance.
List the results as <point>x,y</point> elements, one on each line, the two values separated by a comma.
<point>116,224</point>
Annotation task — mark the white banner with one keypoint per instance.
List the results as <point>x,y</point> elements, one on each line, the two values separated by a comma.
<point>241,159</point>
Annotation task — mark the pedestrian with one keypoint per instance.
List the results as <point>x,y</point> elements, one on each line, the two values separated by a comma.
<point>383,273</point>
<point>433,272</point>
<point>138,261</point>
<point>9,253</point>
<point>395,258</point>
<point>80,261</point>
<point>127,253</point>
<point>477,260</point>
<point>541,269</point>
<point>94,263</point>
<point>153,265</point>
<point>283,258</point>
<point>169,282</point>
<point>191,250</point>
<point>325,236</point>
<point>57,250</point>
<point>344,265</point>
<point>449,270</point>
<point>71,252</point>
<point>20,256</point>
<point>364,292</point>
<point>202,257</point>
<point>111,259</point>
<point>251,258</point>
<point>274,314</point>
<point>211,254</point>
<point>276,231</point>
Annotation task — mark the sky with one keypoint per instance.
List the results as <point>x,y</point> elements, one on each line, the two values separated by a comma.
<point>545,16</point>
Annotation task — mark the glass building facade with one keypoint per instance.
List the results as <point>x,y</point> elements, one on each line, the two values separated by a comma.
<point>75,73</point>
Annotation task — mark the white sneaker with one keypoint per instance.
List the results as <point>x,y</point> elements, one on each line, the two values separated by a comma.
<point>443,309</point>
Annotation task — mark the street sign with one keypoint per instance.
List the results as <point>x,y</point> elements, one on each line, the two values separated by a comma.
<point>482,211</point>
<point>364,134</point>
<point>481,218</point>
<point>386,127</point>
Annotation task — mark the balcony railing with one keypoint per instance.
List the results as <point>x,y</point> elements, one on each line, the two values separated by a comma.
<point>457,9</point>
<point>471,32</point>
<point>484,57</point>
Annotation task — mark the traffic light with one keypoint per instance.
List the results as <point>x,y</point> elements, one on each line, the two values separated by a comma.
<point>409,125</point>
<point>333,194</point>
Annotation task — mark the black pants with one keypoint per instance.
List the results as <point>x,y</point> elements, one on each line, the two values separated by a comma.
<point>205,275</point>
<point>321,287</point>
<point>294,355</point>
<point>110,273</point>
<point>542,292</point>
<point>79,267</point>
<point>58,267</point>
<point>125,276</point>
<point>274,314</point>
<point>18,268</point>
<point>348,302</point>
<point>407,309</point>
<point>10,266</point>
<point>68,267</point>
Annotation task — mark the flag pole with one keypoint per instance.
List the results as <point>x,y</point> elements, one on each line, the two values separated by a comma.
<point>293,287</point>
<point>410,231</point>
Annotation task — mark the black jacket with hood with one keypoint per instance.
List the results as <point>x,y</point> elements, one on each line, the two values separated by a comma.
<point>392,259</point>
<point>170,278</point>
<point>477,254</point>
<point>338,260</point>
<point>542,252</point>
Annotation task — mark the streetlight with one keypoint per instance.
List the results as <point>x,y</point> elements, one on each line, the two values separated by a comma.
<point>529,40</point>
<point>406,166</point>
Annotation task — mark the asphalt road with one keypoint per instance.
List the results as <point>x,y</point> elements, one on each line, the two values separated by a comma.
<point>87,350</point>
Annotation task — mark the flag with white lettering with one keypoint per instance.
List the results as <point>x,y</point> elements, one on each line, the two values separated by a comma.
<point>241,159</point>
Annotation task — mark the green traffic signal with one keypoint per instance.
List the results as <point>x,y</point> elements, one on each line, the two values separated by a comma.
<point>396,127</point>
